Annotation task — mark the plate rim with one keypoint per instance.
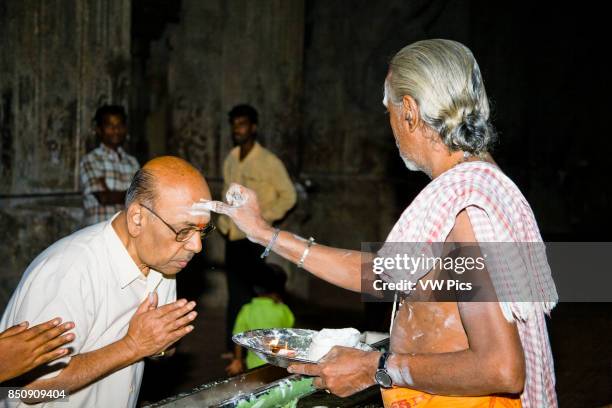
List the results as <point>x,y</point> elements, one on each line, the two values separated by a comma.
<point>276,356</point>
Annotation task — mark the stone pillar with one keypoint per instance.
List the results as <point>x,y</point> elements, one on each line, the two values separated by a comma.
<point>59,60</point>
<point>230,52</point>
<point>226,52</point>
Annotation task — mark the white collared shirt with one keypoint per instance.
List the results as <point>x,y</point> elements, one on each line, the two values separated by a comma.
<point>89,278</point>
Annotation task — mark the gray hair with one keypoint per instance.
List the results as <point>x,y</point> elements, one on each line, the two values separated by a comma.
<point>444,79</point>
<point>142,189</point>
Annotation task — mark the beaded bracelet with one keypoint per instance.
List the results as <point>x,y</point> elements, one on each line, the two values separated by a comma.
<point>270,244</point>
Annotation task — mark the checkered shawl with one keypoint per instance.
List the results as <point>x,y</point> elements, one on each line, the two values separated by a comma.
<point>498,212</point>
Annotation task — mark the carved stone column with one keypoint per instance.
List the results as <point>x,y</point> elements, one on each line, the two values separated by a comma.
<point>230,52</point>
<point>60,60</point>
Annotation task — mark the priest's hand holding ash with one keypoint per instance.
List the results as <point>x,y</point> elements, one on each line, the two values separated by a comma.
<point>242,207</point>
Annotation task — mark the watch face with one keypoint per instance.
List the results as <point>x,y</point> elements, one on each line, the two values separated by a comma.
<point>383,379</point>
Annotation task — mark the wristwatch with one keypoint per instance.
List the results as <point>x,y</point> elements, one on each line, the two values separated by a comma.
<point>382,377</point>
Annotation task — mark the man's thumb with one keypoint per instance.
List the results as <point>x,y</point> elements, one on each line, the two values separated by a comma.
<point>153,299</point>
<point>146,303</point>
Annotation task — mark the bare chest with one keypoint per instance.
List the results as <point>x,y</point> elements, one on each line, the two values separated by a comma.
<point>428,327</point>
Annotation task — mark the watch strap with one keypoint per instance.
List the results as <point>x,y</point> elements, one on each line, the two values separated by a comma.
<point>382,361</point>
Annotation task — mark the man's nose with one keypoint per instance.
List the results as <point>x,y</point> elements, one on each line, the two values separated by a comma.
<point>194,243</point>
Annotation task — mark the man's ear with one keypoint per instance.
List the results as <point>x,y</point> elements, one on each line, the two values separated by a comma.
<point>253,127</point>
<point>411,112</point>
<point>134,219</point>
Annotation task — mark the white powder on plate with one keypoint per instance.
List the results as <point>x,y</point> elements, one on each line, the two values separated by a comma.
<point>324,340</point>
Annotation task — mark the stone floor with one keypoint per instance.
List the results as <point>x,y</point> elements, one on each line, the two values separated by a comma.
<point>580,337</point>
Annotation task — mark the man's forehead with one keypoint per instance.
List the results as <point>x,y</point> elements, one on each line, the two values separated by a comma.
<point>183,189</point>
<point>178,202</point>
<point>112,117</point>
<point>241,119</point>
<point>183,214</point>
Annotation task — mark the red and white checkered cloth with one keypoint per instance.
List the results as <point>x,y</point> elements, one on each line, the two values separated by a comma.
<point>498,213</point>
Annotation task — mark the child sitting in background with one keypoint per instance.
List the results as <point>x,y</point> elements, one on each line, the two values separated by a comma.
<point>265,311</point>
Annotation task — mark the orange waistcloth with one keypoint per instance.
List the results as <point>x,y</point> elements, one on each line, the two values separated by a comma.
<point>408,398</point>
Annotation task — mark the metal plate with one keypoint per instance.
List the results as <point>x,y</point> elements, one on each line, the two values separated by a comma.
<point>229,392</point>
<point>291,345</point>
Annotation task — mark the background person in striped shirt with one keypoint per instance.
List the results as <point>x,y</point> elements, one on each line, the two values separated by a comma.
<point>106,171</point>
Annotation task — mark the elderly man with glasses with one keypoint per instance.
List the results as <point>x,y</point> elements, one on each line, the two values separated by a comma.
<point>115,281</point>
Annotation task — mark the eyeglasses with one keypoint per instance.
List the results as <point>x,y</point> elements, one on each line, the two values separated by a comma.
<point>185,233</point>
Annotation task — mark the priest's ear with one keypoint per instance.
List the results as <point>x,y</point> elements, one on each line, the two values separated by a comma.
<point>410,109</point>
